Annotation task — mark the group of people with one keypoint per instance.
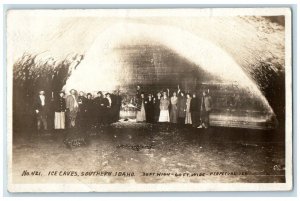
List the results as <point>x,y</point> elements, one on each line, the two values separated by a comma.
<point>83,111</point>
<point>32,73</point>
<point>180,108</point>
<point>78,110</point>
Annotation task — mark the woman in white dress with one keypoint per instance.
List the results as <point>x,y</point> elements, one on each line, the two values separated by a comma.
<point>174,110</point>
<point>188,117</point>
<point>141,113</point>
<point>164,108</point>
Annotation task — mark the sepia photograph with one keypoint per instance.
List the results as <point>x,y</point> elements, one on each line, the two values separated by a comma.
<point>143,100</point>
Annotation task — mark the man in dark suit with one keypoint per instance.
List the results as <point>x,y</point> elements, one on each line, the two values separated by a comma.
<point>41,107</point>
<point>108,110</point>
<point>81,119</point>
<point>116,105</point>
<point>206,107</point>
<point>195,110</point>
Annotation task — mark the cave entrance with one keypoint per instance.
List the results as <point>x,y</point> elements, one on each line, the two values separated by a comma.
<point>155,68</point>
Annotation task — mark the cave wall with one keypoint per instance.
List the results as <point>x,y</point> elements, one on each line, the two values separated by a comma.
<point>156,68</point>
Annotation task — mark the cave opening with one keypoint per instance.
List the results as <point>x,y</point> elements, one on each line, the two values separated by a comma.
<point>157,68</point>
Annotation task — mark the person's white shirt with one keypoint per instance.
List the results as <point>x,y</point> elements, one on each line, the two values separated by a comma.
<point>109,100</point>
<point>75,101</point>
<point>42,98</point>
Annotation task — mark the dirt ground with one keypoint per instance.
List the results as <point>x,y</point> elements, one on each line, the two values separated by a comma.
<point>151,153</point>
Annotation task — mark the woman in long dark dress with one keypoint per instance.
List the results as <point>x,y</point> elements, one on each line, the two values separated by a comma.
<point>149,106</point>
<point>181,108</point>
<point>90,112</point>
<point>99,109</point>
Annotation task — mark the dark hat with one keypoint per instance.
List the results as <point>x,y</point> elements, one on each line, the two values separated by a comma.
<point>62,92</point>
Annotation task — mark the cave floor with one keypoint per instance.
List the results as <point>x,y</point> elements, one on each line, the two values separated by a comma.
<point>151,153</point>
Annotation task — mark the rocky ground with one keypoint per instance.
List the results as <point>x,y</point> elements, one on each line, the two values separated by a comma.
<point>146,153</point>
